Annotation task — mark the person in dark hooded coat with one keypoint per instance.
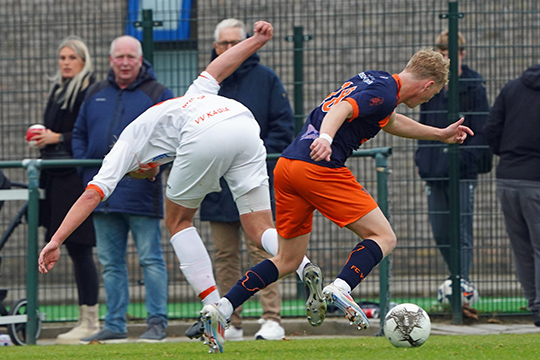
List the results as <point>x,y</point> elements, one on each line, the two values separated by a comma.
<point>513,133</point>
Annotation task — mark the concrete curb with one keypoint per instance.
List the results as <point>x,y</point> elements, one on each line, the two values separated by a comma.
<point>176,329</point>
<point>299,327</point>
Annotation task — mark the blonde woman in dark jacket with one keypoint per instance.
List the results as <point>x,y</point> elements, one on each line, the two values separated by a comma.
<point>63,185</point>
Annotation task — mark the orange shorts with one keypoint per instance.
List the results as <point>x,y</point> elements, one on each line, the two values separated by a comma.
<point>302,187</point>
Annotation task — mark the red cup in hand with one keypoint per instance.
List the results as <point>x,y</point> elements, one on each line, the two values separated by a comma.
<point>31,133</point>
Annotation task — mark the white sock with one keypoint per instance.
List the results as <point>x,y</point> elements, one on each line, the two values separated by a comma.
<point>340,283</point>
<point>300,270</point>
<point>269,241</point>
<point>195,264</point>
<point>225,307</point>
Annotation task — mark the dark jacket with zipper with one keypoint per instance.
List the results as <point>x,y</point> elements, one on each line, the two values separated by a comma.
<point>106,111</point>
<point>513,128</point>
<point>63,186</point>
<point>432,156</point>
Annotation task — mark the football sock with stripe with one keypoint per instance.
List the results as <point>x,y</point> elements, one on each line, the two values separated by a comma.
<point>195,264</point>
<point>255,279</point>
<point>363,258</point>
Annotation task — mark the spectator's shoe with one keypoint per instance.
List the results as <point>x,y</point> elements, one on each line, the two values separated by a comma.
<point>344,301</point>
<point>316,302</point>
<point>234,334</point>
<point>536,317</point>
<point>155,331</point>
<point>270,330</point>
<point>105,336</point>
<point>196,330</point>
<point>214,328</point>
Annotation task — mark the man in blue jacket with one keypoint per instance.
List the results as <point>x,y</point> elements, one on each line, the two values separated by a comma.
<point>432,156</point>
<point>261,91</point>
<point>136,205</point>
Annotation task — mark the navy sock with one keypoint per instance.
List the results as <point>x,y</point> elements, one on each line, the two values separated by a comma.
<point>364,257</point>
<point>256,278</point>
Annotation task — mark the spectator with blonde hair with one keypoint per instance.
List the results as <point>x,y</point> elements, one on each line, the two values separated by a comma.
<point>63,185</point>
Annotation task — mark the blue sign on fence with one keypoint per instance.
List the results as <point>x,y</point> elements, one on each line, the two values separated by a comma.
<point>174,15</point>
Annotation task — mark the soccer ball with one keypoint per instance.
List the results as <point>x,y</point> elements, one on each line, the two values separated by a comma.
<point>469,294</point>
<point>407,325</point>
<point>32,132</point>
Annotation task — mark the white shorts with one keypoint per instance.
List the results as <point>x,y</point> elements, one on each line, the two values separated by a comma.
<point>232,149</point>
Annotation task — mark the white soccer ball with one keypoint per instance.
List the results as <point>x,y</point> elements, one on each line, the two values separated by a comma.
<point>407,325</point>
<point>469,294</point>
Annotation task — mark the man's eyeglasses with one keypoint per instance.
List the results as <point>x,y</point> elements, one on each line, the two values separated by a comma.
<point>228,43</point>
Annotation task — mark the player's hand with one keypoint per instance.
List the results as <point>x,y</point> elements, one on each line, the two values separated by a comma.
<point>149,174</point>
<point>263,31</point>
<point>320,149</point>
<point>456,133</point>
<point>48,258</point>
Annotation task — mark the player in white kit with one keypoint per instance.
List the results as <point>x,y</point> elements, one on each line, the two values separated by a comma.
<point>206,136</point>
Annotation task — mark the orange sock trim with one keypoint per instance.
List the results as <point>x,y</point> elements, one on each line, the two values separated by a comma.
<point>207,292</point>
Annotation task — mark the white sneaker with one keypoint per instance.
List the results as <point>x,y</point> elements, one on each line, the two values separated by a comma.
<point>270,330</point>
<point>234,334</point>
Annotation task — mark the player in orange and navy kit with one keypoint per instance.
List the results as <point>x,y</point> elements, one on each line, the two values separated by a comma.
<point>311,175</point>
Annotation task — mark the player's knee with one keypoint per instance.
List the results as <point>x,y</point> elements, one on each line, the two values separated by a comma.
<point>289,264</point>
<point>390,242</point>
<point>175,225</point>
<point>170,223</point>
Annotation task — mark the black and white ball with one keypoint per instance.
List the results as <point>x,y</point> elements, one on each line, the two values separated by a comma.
<point>407,325</point>
<point>469,294</point>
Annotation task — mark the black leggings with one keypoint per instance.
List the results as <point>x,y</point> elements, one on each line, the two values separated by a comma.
<point>86,275</point>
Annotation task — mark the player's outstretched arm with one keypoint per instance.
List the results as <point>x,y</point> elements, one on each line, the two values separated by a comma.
<point>403,126</point>
<point>225,64</point>
<point>82,208</point>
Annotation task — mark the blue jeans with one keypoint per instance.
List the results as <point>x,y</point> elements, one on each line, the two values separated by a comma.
<point>111,239</point>
<point>438,194</point>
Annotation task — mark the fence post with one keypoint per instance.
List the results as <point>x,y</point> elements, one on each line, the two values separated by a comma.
<point>381,165</point>
<point>32,168</point>
<point>453,158</point>
<point>298,39</point>
<point>148,25</point>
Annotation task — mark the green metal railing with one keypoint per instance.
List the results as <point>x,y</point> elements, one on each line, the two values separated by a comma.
<point>33,167</point>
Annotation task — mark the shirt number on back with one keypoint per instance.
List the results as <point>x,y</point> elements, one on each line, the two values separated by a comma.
<point>337,96</point>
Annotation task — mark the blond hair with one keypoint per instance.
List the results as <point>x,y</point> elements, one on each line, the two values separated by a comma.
<point>429,64</point>
<point>441,43</point>
<point>79,81</point>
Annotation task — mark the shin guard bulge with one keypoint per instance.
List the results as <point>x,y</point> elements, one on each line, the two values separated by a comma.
<point>363,258</point>
<point>255,279</point>
<point>195,264</point>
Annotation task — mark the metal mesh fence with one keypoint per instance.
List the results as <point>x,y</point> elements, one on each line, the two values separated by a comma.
<point>341,38</point>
